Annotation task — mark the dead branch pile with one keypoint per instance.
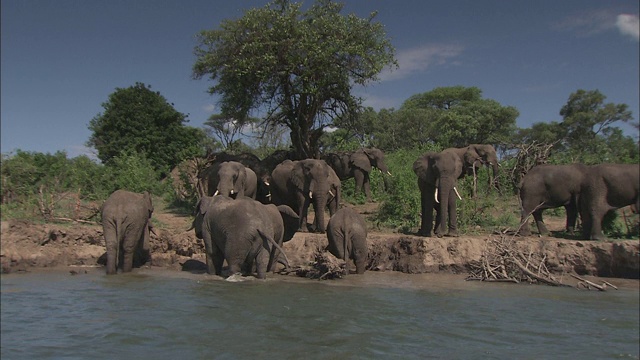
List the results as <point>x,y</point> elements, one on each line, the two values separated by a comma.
<point>501,261</point>
<point>324,267</point>
<point>529,155</point>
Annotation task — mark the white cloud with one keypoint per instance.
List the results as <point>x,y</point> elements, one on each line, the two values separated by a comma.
<point>589,23</point>
<point>209,108</point>
<point>628,25</point>
<point>417,60</point>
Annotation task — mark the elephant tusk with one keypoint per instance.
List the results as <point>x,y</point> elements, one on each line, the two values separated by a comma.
<point>436,196</point>
<point>331,193</point>
<point>457,193</point>
<point>232,192</point>
<point>266,183</point>
<point>310,195</point>
<point>217,192</point>
<point>389,173</point>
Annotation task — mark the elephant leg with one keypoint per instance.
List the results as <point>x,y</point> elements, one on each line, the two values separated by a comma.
<point>262,260</point>
<point>572,215</point>
<point>360,266</point>
<point>542,228</point>
<point>426,206</point>
<point>453,215</point>
<point>596,216</point>
<point>359,176</point>
<point>111,239</point>
<point>215,262</point>
<point>303,209</point>
<point>127,265</point>
<point>367,186</point>
<point>129,248</point>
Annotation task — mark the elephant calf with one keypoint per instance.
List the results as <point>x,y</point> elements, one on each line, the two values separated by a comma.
<point>126,222</point>
<point>347,234</point>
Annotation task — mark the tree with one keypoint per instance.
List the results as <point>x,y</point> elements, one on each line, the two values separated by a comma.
<point>458,116</point>
<point>228,129</point>
<point>295,67</point>
<point>138,120</point>
<point>585,116</point>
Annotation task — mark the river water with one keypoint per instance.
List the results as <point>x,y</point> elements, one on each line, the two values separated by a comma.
<point>161,314</point>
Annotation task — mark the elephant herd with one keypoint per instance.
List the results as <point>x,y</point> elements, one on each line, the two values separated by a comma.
<point>590,191</point>
<point>249,207</point>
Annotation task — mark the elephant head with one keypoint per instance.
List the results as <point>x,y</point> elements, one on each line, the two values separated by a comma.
<point>437,178</point>
<point>374,158</point>
<point>228,178</point>
<point>310,178</point>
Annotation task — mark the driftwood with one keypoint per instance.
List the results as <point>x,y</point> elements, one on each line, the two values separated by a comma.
<point>502,262</point>
<point>324,267</point>
<point>584,283</point>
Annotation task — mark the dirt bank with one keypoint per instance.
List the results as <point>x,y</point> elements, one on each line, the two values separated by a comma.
<point>26,245</point>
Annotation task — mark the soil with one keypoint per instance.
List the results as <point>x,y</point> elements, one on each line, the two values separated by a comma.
<point>28,245</point>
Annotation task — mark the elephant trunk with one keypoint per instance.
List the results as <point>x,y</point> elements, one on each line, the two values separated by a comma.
<point>445,189</point>
<point>319,204</point>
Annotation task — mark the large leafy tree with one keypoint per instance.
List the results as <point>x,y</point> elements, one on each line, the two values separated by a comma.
<point>449,117</point>
<point>139,120</point>
<point>586,133</point>
<point>295,67</point>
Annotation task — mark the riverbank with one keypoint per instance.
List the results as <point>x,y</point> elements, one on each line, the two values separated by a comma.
<point>26,245</point>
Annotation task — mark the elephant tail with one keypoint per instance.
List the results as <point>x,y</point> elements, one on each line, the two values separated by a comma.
<point>277,246</point>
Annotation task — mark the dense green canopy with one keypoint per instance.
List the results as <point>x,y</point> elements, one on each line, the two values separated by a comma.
<point>136,119</point>
<point>294,67</point>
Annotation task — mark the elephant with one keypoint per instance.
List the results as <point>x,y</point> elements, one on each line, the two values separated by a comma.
<point>300,183</point>
<point>358,165</point>
<point>551,186</point>
<point>229,178</point>
<point>243,231</point>
<point>473,157</point>
<point>438,174</point>
<point>347,235</point>
<point>607,187</point>
<point>126,223</point>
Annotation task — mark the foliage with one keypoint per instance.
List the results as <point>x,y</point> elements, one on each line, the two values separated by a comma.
<point>400,209</point>
<point>446,116</point>
<point>298,67</point>
<point>586,133</point>
<point>133,172</point>
<point>136,119</point>
<point>36,183</point>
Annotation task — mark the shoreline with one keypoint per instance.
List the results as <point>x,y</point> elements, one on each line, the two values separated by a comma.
<point>440,281</point>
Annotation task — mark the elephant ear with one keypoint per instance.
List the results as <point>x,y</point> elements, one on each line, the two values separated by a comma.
<point>421,166</point>
<point>147,201</point>
<point>361,161</point>
<point>203,204</point>
<point>298,175</point>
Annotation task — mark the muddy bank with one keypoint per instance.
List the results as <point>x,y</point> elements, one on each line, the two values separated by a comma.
<point>25,245</point>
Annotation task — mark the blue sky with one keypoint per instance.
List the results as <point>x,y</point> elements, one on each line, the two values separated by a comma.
<point>61,59</point>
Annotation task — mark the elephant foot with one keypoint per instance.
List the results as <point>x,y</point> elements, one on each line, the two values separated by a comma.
<point>424,233</point>
<point>453,233</point>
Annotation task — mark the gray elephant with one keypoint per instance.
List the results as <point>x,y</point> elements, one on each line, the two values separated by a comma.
<point>298,184</point>
<point>607,187</point>
<point>551,186</point>
<point>126,222</point>
<point>358,165</point>
<point>228,178</point>
<point>243,231</point>
<point>438,174</point>
<point>347,235</point>
<point>475,156</point>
